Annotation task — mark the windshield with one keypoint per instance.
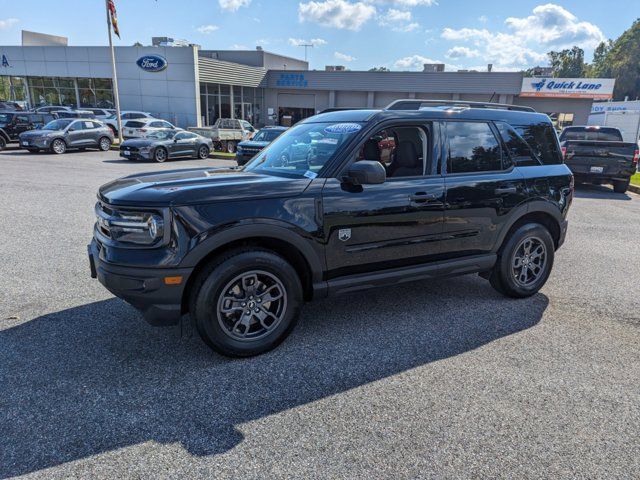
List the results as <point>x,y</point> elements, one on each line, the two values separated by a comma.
<point>303,150</point>
<point>161,134</point>
<point>266,135</point>
<point>57,125</point>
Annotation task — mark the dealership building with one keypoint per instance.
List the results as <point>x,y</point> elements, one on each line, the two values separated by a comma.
<point>191,86</point>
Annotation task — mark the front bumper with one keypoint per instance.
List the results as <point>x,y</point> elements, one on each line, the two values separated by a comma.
<point>143,288</point>
<point>37,142</point>
<point>243,158</point>
<point>563,232</point>
<point>136,155</point>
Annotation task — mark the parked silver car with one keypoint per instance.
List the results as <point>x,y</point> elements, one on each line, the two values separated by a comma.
<point>67,133</point>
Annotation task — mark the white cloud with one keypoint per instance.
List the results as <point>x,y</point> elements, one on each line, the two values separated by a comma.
<point>316,42</point>
<point>344,57</point>
<point>483,19</point>
<point>207,29</point>
<point>398,20</point>
<point>336,13</point>
<point>8,23</point>
<point>527,39</point>
<point>406,3</point>
<point>233,5</point>
<point>237,46</point>
<point>462,52</point>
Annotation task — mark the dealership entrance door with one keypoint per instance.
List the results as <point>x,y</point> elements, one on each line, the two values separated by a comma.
<point>293,107</point>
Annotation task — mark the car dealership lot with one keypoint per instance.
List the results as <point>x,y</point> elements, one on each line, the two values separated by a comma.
<point>439,379</point>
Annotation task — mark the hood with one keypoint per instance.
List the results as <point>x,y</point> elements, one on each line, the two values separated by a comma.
<point>252,144</point>
<point>198,185</point>
<point>140,142</point>
<point>40,133</point>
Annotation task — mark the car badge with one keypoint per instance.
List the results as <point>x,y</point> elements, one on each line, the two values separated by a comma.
<point>344,234</point>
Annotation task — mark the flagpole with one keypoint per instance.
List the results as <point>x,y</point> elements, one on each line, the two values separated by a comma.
<point>116,97</point>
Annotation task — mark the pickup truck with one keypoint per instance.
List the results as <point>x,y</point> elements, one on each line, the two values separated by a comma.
<point>226,133</point>
<point>598,155</point>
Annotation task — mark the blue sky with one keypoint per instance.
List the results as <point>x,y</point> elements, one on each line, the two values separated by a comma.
<point>398,34</point>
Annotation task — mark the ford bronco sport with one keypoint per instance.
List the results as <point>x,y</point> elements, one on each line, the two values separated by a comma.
<point>418,190</point>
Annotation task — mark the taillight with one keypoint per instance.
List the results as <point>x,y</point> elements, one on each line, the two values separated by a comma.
<point>564,152</point>
<point>636,155</point>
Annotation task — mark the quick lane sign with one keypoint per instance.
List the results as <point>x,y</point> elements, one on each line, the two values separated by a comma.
<point>600,88</point>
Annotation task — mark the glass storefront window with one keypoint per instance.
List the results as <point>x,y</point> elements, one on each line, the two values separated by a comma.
<point>102,83</point>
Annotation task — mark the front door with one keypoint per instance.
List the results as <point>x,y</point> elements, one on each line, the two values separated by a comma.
<point>482,188</point>
<point>393,224</point>
<point>184,144</point>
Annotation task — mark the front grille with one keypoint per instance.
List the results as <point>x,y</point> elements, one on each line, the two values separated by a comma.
<point>129,149</point>
<point>250,151</point>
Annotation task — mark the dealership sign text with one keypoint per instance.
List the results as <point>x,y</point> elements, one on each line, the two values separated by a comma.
<point>567,87</point>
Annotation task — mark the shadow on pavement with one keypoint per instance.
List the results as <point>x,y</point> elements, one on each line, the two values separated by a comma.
<point>599,191</point>
<point>95,378</point>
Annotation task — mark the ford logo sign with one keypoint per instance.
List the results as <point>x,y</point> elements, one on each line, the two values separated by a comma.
<point>152,63</point>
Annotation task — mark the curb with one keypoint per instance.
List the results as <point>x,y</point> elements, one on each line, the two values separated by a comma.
<point>634,188</point>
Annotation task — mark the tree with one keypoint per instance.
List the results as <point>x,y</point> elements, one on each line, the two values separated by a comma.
<point>379,69</point>
<point>624,61</point>
<point>600,67</point>
<point>567,63</point>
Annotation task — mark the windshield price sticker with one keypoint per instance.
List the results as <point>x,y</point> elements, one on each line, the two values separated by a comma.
<point>310,174</point>
<point>343,128</point>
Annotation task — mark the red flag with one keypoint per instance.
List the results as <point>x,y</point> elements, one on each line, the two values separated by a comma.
<point>114,17</point>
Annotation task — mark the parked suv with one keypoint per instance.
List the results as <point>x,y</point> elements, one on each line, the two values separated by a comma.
<point>63,134</point>
<point>13,123</point>
<point>418,190</point>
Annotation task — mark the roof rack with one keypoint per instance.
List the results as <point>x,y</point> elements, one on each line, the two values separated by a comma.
<point>416,104</point>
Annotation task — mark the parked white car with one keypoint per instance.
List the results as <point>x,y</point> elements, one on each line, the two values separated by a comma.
<point>101,113</point>
<point>140,127</point>
<point>125,115</point>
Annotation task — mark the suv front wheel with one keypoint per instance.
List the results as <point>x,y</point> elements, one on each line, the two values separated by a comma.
<point>246,302</point>
<point>524,262</point>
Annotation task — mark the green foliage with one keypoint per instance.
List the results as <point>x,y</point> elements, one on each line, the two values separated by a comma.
<point>624,63</point>
<point>567,63</point>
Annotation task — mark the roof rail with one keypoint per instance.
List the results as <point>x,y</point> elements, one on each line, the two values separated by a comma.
<point>417,104</point>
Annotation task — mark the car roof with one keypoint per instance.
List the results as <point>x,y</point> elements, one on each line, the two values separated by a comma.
<point>514,117</point>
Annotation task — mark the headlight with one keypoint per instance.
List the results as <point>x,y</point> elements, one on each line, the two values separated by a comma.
<point>238,149</point>
<point>129,226</point>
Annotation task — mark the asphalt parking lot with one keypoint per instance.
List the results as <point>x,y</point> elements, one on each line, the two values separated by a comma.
<point>442,379</point>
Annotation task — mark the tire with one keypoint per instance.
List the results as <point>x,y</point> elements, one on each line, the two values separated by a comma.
<point>58,146</point>
<point>104,144</point>
<point>230,147</point>
<point>234,333</point>
<point>3,143</point>
<point>203,152</point>
<point>160,154</point>
<point>33,150</point>
<point>620,186</point>
<point>533,271</point>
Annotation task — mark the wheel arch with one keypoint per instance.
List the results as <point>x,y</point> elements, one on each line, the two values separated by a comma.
<point>282,241</point>
<point>537,212</point>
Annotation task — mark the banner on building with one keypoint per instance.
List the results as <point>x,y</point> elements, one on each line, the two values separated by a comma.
<point>597,88</point>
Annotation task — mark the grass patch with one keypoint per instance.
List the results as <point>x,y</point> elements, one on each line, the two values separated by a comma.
<point>230,156</point>
<point>635,179</point>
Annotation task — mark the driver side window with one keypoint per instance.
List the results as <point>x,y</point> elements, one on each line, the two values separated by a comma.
<point>402,150</point>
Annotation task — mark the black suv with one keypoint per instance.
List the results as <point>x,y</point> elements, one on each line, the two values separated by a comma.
<point>13,123</point>
<point>418,190</point>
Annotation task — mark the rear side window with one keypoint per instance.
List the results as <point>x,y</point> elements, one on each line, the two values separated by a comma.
<point>517,148</point>
<point>598,134</point>
<point>543,141</point>
<point>134,124</point>
<point>472,148</point>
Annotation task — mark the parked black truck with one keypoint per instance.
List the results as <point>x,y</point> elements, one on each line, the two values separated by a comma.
<point>598,155</point>
<point>418,190</point>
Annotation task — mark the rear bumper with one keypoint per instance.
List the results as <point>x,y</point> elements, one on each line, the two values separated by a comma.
<point>143,288</point>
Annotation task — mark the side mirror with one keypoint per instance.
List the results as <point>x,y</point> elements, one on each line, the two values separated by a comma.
<point>366,172</point>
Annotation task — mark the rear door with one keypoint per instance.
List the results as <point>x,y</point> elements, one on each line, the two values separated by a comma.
<point>21,124</point>
<point>482,187</point>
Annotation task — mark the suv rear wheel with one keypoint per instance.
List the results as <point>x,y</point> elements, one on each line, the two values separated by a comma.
<point>524,262</point>
<point>620,186</point>
<point>246,302</point>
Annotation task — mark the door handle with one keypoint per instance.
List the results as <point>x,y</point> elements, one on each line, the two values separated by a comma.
<point>502,190</point>
<point>422,197</point>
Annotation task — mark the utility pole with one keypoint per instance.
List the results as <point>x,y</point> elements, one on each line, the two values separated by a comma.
<point>116,97</point>
<point>305,45</point>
